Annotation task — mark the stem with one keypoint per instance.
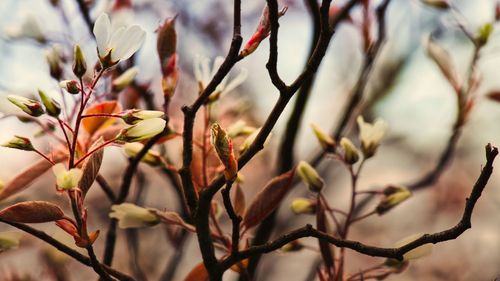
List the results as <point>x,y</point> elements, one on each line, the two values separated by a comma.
<point>101,146</point>
<point>44,156</point>
<point>61,124</point>
<point>103,115</point>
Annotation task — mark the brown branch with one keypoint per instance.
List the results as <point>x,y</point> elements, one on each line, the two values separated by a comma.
<point>84,10</point>
<point>235,218</point>
<point>106,188</point>
<point>65,249</point>
<point>393,253</point>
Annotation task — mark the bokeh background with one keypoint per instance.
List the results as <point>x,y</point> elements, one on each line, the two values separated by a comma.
<point>406,89</point>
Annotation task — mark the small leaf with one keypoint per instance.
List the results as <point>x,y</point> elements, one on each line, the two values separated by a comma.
<point>92,124</point>
<point>32,212</point>
<point>22,180</point>
<point>198,273</point>
<point>238,200</point>
<point>445,63</point>
<point>172,218</point>
<point>91,167</point>
<point>268,199</point>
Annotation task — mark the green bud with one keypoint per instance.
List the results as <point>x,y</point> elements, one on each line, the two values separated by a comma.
<point>31,107</point>
<point>71,86</point>
<point>125,79</point>
<point>310,177</point>
<point>393,195</point>
<point>21,143</point>
<point>351,154</point>
<point>484,34</point>
<point>79,63</point>
<point>327,142</point>
<point>303,206</point>
<point>51,106</point>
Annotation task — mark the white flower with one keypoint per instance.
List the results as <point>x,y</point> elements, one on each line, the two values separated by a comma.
<point>66,179</point>
<point>144,129</point>
<point>416,253</point>
<point>119,44</point>
<point>133,216</point>
<point>204,75</point>
<point>371,135</point>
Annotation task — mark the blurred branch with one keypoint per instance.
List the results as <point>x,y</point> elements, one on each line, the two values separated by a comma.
<point>84,10</point>
<point>393,253</point>
<point>65,249</point>
<point>106,188</point>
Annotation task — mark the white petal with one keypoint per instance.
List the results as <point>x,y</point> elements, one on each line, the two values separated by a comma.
<point>116,37</point>
<point>197,68</point>
<point>58,169</point>
<point>205,71</point>
<point>129,43</point>
<point>102,30</point>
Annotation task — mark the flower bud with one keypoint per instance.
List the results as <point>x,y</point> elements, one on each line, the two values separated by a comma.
<point>133,216</point>
<point>79,63</point>
<point>310,177</point>
<point>438,4</point>
<point>54,61</point>
<point>9,240</point>
<point>351,154</point>
<point>239,128</point>
<point>293,246</point>
<point>416,253</point>
<point>152,157</point>
<point>31,107</point>
<point>133,116</point>
<point>66,179</point>
<point>370,135</point>
<point>393,195</point>
<point>303,206</point>
<point>71,86</point>
<point>224,147</point>
<point>144,129</point>
<point>51,106</point>
<point>21,143</point>
<point>125,79</point>
<point>326,142</point>
<point>484,34</point>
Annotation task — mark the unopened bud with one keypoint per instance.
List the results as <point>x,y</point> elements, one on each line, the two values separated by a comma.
<point>439,4</point>
<point>224,147</point>
<point>239,128</point>
<point>310,177</point>
<point>53,56</point>
<point>133,216</point>
<point>31,107</point>
<point>21,143</point>
<point>393,195</point>
<point>79,63</point>
<point>125,79</point>
<point>293,246</point>
<point>484,34</point>
<point>151,157</point>
<point>303,206</point>
<point>133,116</point>
<point>351,154</point>
<point>71,86</point>
<point>416,253</point>
<point>144,129</point>
<point>326,142</point>
<point>51,106</point>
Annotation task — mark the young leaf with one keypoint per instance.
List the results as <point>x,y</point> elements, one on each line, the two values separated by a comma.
<point>32,212</point>
<point>198,273</point>
<point>22,180</point>
<point>91,167</point>
<point>268,199</point>
<point>444,62</point>
<point>172,218</point>
<point>92,124</point>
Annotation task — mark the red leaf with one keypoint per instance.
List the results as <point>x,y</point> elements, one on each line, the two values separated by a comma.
<point>32,212</point>
<point>92,124</point>
<point>268,199</point>
<point>198,273</point>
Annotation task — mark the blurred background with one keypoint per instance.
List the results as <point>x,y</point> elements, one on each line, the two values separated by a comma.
<point>406,89</point>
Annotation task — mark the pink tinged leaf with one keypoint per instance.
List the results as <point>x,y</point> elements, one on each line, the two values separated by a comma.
<point>32,212</point>
<point>325,248</point>
<point>238,200</point>
<point>268,199</point>
<point>91,167</point>
<point>23,179</point>
<point>198,273</point>
<point>92,124</point>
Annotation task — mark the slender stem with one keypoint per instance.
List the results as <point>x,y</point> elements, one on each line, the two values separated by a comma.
<point>102,115</point>
<point>235,218</point>
<point>101,146</point>
<point>363,216</point>
<point>44,156</point>
<point>106,188</point>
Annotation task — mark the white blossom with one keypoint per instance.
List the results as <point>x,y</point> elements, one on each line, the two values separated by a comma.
<point>204,74</point>
<point>133,216</point>
<point>66,179</point>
